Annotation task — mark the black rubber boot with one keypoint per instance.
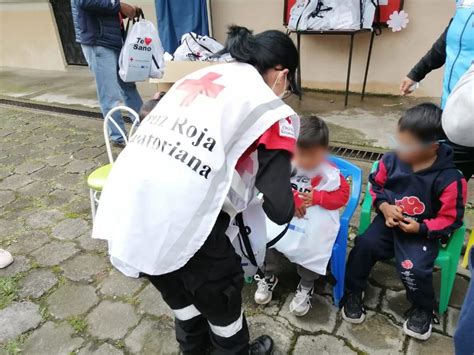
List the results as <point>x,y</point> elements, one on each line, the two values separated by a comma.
<point>263,345</point>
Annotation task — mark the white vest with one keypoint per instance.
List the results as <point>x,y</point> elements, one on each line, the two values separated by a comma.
<point>168,186</point>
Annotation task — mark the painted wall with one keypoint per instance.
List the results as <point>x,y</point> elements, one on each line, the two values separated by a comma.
<point>324,59</point>
<point>29,37</point>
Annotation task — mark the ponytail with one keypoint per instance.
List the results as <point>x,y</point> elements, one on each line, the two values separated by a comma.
<point>264,51</point>
<point>241,44</point>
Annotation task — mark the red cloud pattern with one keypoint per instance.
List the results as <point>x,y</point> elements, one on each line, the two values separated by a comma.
<point>411,205</point>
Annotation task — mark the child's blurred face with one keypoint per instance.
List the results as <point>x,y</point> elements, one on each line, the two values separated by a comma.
<point>311,157</point>
<point>411,150</point>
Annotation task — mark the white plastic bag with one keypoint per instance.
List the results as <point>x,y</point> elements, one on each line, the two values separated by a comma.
<point>333,15</point>
<point>296,21</point>
<point>458,114</point>
<point>196,47</point>
<point>309,241</point>
<point>142,54</point>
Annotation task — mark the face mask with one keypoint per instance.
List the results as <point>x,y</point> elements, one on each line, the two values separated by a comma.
<point>284,86</point>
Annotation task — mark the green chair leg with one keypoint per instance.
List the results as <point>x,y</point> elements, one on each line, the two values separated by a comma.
<point>447,260</point>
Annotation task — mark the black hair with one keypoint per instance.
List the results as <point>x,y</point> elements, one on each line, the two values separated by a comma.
<point>423,121</point>
<point>313,133</point>
<point>264,51</point>
<point>149,105</point>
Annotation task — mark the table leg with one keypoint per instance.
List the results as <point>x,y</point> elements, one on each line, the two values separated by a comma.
<point>349,65</point>
<point>298,76</point>
<point>369,55</point>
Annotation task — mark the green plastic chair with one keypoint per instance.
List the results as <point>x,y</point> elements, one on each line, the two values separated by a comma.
<point>448,256</point>
<point>96,180</point>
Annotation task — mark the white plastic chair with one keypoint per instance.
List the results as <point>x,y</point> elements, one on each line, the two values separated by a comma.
<point>96,180</point>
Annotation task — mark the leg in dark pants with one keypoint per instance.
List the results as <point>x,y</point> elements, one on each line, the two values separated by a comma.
<point>373,245</point>
<point>414,258</point>
<point>192,330</point>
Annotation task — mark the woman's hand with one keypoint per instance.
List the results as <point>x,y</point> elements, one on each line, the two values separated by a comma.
<point>405,86</point>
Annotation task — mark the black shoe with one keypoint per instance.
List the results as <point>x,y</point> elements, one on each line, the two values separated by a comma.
<point>263,345</point>
<point>353,310</point>
<point>119,144</point>
<point>418,323</point>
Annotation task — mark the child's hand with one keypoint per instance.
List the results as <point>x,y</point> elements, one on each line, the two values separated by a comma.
<point>307,198</point>
<point>300,212</point>
<point>409,225</point>
<point>393,214</point>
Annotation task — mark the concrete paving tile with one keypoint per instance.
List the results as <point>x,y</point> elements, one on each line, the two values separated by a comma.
<point>322,315</point>
<point>282,334</point>
<point>436,344</point>
<point>376,335</point>
<point>321,345</point>
<point>52,339</point>
<point>64,302</point>
<point>144,340</point>
<point>20,317</point>
<point>111,320</point>
<point>84,267</point>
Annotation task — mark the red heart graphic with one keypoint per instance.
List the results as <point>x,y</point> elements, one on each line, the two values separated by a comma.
<point>147,40</point>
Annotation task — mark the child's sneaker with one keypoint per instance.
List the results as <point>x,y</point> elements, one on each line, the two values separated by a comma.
<point>418,324</point>
<point>353,310</point>
<point>5,258</point>
<point>265,287</point>
<point>301,303</point>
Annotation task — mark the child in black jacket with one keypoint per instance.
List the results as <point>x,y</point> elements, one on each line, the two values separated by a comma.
<point>419,196</point>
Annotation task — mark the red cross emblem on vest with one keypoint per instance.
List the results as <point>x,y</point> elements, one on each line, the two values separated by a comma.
<point>204,86</point>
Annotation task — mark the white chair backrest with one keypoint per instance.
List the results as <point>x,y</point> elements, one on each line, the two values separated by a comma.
<point>108,118</point>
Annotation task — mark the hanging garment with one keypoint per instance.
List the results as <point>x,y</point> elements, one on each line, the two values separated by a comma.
<point>177,17</point>
<point>169,184</point>
<point>308,241</point>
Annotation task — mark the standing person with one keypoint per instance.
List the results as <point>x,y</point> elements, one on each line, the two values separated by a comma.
<point>455,50</point>
<point>214,144</point>
<point>98,28</point>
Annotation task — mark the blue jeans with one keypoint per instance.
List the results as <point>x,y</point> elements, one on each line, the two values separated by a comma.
<point>463,338</point>
<point>111,90</point>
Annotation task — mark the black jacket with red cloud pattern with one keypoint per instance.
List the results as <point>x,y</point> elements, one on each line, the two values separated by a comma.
<point>435,197</point>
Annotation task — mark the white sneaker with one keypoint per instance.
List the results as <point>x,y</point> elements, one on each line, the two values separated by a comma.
<point>5,258</point>
<point>265,287</point>
<point>301,302</point>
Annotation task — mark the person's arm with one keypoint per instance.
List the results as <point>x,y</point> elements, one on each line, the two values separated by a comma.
<point>433,59</point>
<point>333,200</point>
<point>273,181</point>
<point>451,213</point>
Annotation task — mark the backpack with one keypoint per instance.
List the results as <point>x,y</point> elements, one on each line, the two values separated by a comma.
<point>196,47</point>
<point>141,56</point>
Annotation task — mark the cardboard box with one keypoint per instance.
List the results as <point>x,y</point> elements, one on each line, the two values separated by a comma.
<point>175,70</point>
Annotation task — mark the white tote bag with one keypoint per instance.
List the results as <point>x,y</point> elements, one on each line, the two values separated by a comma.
<point>197,47</point>
<point>309,241</point>
<point>142,54</point>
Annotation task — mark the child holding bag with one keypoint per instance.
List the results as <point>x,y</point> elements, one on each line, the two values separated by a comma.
<point>319,191</point>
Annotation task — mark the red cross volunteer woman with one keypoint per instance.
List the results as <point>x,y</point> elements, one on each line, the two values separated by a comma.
<point>219,141</point>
